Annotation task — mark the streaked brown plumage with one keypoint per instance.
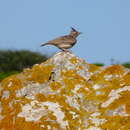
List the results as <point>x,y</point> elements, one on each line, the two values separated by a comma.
<point>64,42</point>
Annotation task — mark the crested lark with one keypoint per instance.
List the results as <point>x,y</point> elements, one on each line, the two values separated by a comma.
<point>64,42</point>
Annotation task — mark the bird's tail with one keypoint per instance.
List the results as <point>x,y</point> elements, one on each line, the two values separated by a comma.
<point>44,44</point>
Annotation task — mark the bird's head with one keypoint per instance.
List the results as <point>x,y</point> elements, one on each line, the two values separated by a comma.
<point>74,32</point>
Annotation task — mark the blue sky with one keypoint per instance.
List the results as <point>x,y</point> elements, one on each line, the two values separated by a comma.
<point>105,25</point>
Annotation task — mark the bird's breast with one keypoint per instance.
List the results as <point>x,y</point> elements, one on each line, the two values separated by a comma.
<point>74,42</point>
<point>65,45</point>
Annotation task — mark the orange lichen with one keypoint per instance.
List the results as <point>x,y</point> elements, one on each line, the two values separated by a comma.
<point>7,123</point>
<point>93,68</point>
<point>26,125</point>
<point>117,122</point>
<point>72,77</point>
<point>123,99</point>
<point>127,107</point>
<point>12,83</point>
<point>41,97</point>
<point>126,79</point>
<point>55,85</point>
<point>74,60</point>
<point>114,69</point>
<point>79,67</point>
<point>40,74</point>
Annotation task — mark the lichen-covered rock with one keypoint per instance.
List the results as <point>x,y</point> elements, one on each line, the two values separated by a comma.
<point>66,93</point>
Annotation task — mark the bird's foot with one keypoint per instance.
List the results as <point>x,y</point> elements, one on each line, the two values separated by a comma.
<point>66,50</point>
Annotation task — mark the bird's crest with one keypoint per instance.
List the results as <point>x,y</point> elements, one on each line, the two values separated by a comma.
<point>74,30</point>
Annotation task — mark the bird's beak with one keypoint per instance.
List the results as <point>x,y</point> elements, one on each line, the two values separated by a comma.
<point>41,45</point>
<point>80,33</point>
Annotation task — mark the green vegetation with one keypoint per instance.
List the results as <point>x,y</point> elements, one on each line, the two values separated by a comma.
<point>14,61</point>
<point>99,64</point>
<point>18,60</point>
<point>126,64</point>
<point>6,74</point>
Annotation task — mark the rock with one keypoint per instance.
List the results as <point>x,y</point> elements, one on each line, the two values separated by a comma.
<point>66,93</point>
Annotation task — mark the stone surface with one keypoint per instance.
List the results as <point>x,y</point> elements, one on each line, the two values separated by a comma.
<point>66,93</point>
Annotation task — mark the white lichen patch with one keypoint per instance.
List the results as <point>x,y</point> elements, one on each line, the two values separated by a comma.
<point>95,114</point>
<point>0,107</point>
<point>62,61</point>
<point>113,95</point>
<point>93,128</point>
<point>72,101</point>
<point>35,110</point>
<point>10,84</point>
<point>5,95</point>
<point>1,117</point>
<point>110,76</point>
<point>120,111</point>
<point>31,90</point>
<point>84,73</point>
<point>77,87</point>
<point>48,127</point>
<point>42,126</point>
<point>77,95</point>
<point>96,120</point>
<point>99,93</point>
<point>1,88</point>
<point>61,57</point>
<point>96,86</point>
<point>11,104</point>
<point>90,106</point>
<point>69,65</point>
<point>32,113</point>
<point>55,108</point>
<point>74,115</point>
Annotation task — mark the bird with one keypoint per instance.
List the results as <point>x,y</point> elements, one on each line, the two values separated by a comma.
<point>64,42</point>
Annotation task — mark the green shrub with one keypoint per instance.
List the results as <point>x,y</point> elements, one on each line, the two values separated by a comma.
<point>14,60</point>
<point>126,64</point>
<point>6,74</point>
<point>99,64</point>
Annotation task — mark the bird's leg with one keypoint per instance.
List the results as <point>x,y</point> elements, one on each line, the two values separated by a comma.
<point>66,50</point>
<point>63,49</point>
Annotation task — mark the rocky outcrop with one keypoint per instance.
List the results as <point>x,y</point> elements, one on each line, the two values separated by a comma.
<point>66,93</point>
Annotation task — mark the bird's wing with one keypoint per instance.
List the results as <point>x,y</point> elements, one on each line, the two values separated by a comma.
<point>63,39</point>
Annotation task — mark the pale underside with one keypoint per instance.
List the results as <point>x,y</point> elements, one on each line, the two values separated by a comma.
<point>64,42</point>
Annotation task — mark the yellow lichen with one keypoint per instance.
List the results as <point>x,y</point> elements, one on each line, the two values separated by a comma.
<point>116,122</point>
<point>41,97</point>
<point>73,77</point>
<point>127,107</point>
<point>126,79</point>
<point>12,83</point>
<point>55,86</point>
<point>40,74</point>
<point>74,60</point>
<point>93,68</point>
<point>114,69</point>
